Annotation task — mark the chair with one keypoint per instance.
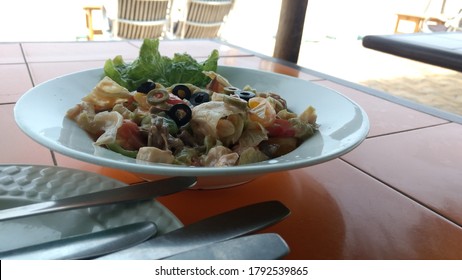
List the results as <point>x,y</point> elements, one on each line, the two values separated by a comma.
<point>139,19</point>
<point>453,24</point>
<point>203,18</point>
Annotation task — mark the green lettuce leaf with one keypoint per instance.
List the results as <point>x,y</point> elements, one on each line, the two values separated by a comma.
<point>151,65</point>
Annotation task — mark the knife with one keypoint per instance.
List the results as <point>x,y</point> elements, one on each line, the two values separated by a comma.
<point>264,246</point>
<point>130,193</point>
<point>85,246</point>
<point>217,228</point>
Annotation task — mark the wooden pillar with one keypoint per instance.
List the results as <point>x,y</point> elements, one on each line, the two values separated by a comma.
<point>290,29</point>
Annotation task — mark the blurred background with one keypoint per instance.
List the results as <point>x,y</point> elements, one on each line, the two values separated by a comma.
<point>331,41</point>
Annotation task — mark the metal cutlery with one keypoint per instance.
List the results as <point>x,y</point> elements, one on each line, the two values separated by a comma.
<point>221,227</point>
<point>146,190</point>
<point>265,246</point>
<point>85,246</point>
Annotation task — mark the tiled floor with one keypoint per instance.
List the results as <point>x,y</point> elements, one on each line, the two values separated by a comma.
<point>44,71</point>
<point>22,149</point>
<point>11,53</point>
<point>77,51</point>
<point>14,72</point>
<point>436,150</point>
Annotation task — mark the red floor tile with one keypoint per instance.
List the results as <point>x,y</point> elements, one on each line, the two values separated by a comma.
<point>10,53</point>
<point>10,92</point>
<point>78,51</point>
<point>425,164</point>
<point>258,63</point>
<point>16,146</point>
<point>44,71</point>
<point>195,48</point>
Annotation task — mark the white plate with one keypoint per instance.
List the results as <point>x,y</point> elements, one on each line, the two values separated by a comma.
<point>40,113</point>
<point>24,184</point>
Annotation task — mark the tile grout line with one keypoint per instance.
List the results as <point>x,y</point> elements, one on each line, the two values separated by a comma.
<point>53,158</point>
<point>27,64</point>
<point>7,103</point>
<point>411,129</point>
<point>422,204</point>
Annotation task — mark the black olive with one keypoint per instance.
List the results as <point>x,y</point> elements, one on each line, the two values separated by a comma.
<point>182,91</point>
<point>199,98</point>
<point>180,113</point>
<point>245,94</point>
<point>146,87</point>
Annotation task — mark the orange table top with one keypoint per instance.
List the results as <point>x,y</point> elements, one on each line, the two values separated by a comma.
<point>396,196</point>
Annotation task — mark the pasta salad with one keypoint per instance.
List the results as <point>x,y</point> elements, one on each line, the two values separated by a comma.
<point>195,120</point>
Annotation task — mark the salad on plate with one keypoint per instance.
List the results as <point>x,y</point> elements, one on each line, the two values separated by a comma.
<point>179,111</point>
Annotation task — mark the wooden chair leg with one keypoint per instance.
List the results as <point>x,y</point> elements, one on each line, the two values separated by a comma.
<point>89,21</point>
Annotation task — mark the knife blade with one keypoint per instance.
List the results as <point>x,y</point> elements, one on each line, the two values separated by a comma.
<point>264,246</point>
<point>217,228</point>
<point>85,246</point>
<point>146,190</point>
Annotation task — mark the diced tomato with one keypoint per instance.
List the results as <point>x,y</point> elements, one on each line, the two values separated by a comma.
<point>129,136</point>
<point>281,128</point>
